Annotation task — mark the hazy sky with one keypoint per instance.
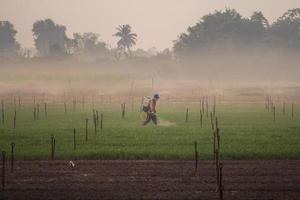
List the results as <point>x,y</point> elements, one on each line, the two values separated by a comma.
<point>157,22</point>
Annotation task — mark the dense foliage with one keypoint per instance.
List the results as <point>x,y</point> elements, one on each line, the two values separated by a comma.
<point>8,43</point>
<point>228,29</point>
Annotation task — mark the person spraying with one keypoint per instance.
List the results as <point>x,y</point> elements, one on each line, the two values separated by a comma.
<point>150,108</point>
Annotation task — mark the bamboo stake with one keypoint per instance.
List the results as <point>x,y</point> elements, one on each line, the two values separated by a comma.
<point>187,115</point>
<point>45,109</point>
<point>12,157</point>
<point>52,147</point>
<point>2,109</point>
<point>74,138</point>
<point>15,119</point>
<point>3,169</point>
<point>86,129</point>
<point>196,156</point>
<point>292,110</point>
<point>101,122</point>
<point>220,181</point>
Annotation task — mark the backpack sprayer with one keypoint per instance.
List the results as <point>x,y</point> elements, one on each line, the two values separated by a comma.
<point>144,107</point>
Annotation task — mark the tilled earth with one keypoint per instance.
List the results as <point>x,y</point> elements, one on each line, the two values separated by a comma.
<point>121,179</point>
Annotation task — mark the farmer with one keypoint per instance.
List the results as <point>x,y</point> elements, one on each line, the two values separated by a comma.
<point>151,110</point>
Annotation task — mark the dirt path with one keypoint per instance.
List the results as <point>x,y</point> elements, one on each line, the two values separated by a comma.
<point>243,180</point>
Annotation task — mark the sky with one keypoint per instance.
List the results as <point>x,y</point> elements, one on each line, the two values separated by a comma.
<point>157,22</point>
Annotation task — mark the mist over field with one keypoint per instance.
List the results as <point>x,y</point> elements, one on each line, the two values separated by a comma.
<point>272,72</point>
<point>222,49</point>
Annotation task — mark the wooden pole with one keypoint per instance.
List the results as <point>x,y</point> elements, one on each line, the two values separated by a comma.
<point>200,106</point>
<point>45,109</point>
<point>274,114</point>
<point>207,106</point>
<point>86,129</point>
<point>52,147</point>
<point>217,166</point>
<point>292,110</point>
<point>93,102</point>
<point>101,122</point>
<point>65,106</point>
<point>12,157</point>
<point>15,119</point>
<point>97,118</point>
<point>123,107</point>
<point>203,100</point>
<point>19,99</point>
<point>218,138</point>
<point>196,156</point>
<point>201,119</point>
<point>214,107</point>
<point>74,138</point>
<point>2,109</point>
<point>268,103</point>
<point>3,170</point>
<point>34,112</point>
<point>220,181</point>
<point>187,115</point>
<point>212,121</point>
<point>95,121</point>
<point>15,103</point>
<point>214,145</point>
<point>38,111</point>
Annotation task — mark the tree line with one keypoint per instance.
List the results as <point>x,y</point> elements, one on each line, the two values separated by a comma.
<point>221,30</point>
<point>50,39</point>
<point>225,30</point>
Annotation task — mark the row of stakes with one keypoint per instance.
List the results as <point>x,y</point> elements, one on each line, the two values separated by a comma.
<point>96,123</point>
<point>36,106</point>
<point>202,111</point>
<point>36,114</point>
<point>216,156</point>
<point>270,107</point>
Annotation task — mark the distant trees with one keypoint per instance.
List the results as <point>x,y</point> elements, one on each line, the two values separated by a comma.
<point>127,39</point>
<point>88,44</point>
<point>258,27</point>
<point>219,31</point>
<point>227,29</point>
<point>8,43</point>
<point>287,29</point>
<point>49,38</point>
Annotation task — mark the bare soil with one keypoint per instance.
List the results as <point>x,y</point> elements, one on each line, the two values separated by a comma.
<point>243,180</point>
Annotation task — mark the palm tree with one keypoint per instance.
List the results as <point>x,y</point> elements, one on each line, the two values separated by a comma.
<point>127,38</point>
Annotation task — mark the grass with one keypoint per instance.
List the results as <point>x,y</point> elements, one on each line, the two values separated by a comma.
<point>247,132</point>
